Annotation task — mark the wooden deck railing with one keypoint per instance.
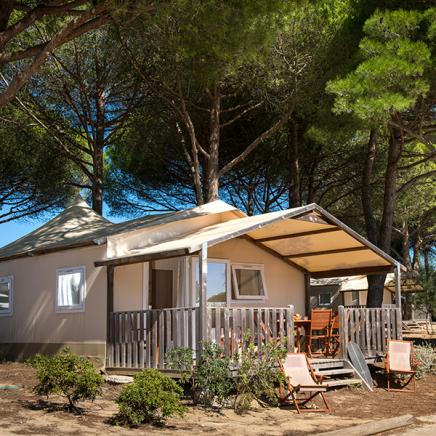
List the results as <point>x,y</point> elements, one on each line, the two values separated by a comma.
<point>369,328</point>
<point>141,339</point>
<point>234,327</point>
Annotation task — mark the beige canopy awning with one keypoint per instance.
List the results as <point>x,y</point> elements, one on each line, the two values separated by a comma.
<point>308,238</point>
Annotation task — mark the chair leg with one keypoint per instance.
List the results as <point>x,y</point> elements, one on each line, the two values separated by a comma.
<point>309,346</point>
<point>327,406</point>
<point>294,399</point>
<point>402,386</point>
<point>311,398</point>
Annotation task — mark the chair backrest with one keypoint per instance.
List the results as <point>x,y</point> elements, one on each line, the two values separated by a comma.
<point>335,323</point>
<point>400,355</point>
<point>320,319</point>
<point>295,367</point>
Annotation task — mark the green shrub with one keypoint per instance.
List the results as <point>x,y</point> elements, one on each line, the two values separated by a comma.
<point>425,358</point>
<point>152,397</point>
<point>258,376</point>
<point>213,383</point>
<point>66,374</point>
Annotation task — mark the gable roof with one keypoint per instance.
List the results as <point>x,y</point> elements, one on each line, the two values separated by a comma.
<point>309,238</point>
<point>79,225</point>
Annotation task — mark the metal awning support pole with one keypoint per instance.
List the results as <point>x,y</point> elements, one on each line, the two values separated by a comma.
<point>307,294</point>
<point>109,310</point>
<point>203,295</point>
<point>398,285</point>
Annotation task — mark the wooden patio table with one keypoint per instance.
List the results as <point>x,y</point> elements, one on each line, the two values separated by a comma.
<point>299,324</point>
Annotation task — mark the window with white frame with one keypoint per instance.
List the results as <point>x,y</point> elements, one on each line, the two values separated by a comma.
<point>217,280</point>
<point>70,289</point>
<point>324,298</point>
<point>354,298</point>
<point>6,295</point>
<point>248,282</point>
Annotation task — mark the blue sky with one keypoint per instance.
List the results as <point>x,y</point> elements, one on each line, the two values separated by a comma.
<point>14,230</point>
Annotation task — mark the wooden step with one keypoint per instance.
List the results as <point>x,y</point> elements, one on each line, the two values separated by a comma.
<point>343,382</point>
<point>334,372</point>
<point>326,363</point>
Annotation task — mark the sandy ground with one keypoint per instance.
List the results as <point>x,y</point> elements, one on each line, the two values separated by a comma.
<point>21,412</point>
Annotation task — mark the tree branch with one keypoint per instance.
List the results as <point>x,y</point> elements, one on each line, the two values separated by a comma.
<point>90,20</point>
<point>265,135</point>
<point>415,179</point>
<point>35,14</point>
<point>240,115</point>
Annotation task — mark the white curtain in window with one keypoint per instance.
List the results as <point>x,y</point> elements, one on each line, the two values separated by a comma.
<point>185,296</point>
<point>5,295</point>
<point>69,289</point>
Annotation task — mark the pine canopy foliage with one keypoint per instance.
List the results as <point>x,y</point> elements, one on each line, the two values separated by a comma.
<point>111,108</point>
<point>396,67</point>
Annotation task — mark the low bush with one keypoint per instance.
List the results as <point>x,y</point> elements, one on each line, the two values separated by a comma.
<point>151,398</point>
<point>258,376</point>
<point>425,358</point>
<point>67,374</point>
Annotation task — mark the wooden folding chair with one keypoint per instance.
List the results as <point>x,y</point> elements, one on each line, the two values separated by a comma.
<point>400,360</point>
<point>303,385</point>
<point>320,329</point>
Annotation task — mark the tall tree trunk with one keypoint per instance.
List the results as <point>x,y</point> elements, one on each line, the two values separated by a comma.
<point>389,200</point>
<point>376,283</point>
<point>294,165</point>
<point>97,183</point>
<point>366,191</point>
<point>212,181</point>
<point>97,157</point>
<point>405,249</point>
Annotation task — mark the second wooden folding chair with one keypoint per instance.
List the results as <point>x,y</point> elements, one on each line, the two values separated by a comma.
<point>319,330</point>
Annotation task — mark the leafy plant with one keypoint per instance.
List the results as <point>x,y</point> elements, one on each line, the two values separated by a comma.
<point>152,397</point>
<point>213,383</point>
<point>67,374</point>
<point>425,358</point>
<point>258,375</point>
